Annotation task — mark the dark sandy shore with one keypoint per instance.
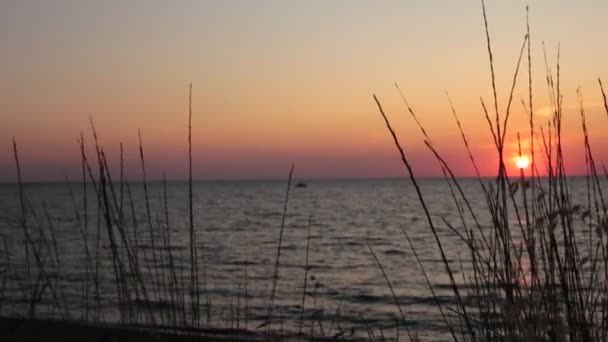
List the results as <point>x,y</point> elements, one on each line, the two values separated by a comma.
<point>16,329</point>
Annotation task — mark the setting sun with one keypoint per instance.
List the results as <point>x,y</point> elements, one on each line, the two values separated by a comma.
<point>521,162</point>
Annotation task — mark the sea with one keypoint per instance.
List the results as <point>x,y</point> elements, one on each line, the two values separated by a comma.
<point>326,258</point>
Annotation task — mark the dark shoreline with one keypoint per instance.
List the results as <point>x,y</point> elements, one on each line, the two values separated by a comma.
<point>22,329</point>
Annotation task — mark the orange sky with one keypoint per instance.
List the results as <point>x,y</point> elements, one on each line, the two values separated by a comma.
<point>277,83</point>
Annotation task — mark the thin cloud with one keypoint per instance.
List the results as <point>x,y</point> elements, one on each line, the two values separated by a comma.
<point>546,111</point>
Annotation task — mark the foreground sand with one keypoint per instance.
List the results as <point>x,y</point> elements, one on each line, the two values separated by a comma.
<point>16,329</point>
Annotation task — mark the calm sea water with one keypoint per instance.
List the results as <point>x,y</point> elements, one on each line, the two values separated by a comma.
<point>238,226</point>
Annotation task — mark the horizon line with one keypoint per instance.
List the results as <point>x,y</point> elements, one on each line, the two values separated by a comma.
<point>273,179</point>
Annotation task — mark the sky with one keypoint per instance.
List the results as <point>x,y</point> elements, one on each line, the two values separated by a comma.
<point>279,82</point>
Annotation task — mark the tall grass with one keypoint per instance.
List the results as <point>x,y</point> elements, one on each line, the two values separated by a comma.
<point>537,278</point>
<point>149,283</point>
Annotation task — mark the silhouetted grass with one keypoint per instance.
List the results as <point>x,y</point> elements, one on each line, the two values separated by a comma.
<point>151,288</point>
<point>552,285</point>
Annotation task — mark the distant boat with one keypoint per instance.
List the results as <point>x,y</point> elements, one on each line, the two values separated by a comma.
<point>301,185</point>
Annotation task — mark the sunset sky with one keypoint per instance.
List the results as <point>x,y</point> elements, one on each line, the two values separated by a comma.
<point>281,82</point>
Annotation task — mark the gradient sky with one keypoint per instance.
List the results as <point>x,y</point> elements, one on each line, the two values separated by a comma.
<point>277,82</point>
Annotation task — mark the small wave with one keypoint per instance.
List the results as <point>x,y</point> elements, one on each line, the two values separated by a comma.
<point>403,300</point>
<point>394,252</point>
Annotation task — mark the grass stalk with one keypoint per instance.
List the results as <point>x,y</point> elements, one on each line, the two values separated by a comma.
<point>275,275</point>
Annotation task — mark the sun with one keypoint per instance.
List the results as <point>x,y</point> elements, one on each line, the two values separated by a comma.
<point>522,162</point>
